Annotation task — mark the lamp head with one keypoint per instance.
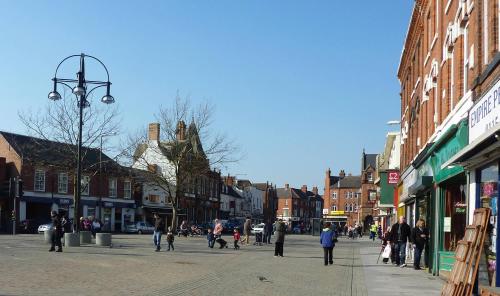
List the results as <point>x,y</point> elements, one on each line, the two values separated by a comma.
<point>79,90</point>
<point>54,95</point>
<point>108,99</point>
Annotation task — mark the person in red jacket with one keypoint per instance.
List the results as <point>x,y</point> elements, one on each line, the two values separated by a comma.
<point>236,237</point>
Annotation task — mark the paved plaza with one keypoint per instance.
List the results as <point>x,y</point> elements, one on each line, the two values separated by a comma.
<point>131,267</point>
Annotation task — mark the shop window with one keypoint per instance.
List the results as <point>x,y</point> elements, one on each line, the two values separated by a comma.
<point>40,180</point>
<point>488,194</point>
<point>91,212</point>
<point>454,214</point>
<point>285,212</point>
<point>62,183</point>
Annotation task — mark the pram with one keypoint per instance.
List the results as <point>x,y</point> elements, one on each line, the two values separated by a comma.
<point>221,242</point>
<point>258,239</point>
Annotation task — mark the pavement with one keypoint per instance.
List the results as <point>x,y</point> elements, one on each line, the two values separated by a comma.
<point>131,267</point>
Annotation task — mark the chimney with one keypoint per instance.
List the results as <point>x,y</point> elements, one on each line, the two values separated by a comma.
<point>154,132</point>
<point>229,180</point>
<point>315,190</point>
<point>304,188</point>
<point>287,186</point>
<point>180,132</point>
<point>342,174</point>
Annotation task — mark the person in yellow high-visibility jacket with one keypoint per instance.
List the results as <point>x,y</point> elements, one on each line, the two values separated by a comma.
<point>373,231</point>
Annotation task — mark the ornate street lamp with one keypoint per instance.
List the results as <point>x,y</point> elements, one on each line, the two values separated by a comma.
<point>80,88</point>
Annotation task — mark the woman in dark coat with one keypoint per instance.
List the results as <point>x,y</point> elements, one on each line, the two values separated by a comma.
<point>279,234</point>
<point>419,237</point>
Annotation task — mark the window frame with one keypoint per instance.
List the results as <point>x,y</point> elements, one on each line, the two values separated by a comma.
<point>127,190</point>
<point>85,186</point>
<point>59,182</point>
<point>40,182</point>
<point>111,193</point>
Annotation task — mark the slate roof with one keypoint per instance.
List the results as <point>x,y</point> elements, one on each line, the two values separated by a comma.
<point>369,160</point>
<point>46,152</point>
<point>260,186</point>
<point>283,192</point>
<point>348,182</point>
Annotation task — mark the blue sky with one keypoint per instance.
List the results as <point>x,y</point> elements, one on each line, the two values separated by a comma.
<point>300,85</point>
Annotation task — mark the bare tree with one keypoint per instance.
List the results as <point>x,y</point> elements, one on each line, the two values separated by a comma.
<point>179,158</point>
<point>59,122</point>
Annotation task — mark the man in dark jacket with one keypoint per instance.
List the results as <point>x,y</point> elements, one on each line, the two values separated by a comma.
<point>158,231</point>
<point>400,235</point>
<point>56,232</point>
<point>279,234</point>
<point>268,232</point>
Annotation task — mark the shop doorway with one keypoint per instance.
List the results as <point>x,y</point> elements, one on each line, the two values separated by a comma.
<point>455,212</point>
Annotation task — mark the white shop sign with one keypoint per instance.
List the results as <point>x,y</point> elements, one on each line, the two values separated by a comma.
<point>485,113</point>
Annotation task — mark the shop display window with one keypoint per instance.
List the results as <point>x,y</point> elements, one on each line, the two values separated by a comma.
<point>488,198</point>
<point>455,213</point>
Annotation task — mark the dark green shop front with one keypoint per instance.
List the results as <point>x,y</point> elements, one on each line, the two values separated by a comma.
<point>450,190</point>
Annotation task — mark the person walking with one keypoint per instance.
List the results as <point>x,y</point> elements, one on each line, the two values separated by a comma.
<point>373,231</point>
<point>170,239</point>
<point>247,227</point>
<point>280,238</point>
<point>400,235</point>
<point>158,231</point>
<point>327,241</point>
<point>218,234</point>
<point>268,227</point>
<point>236,237</point>
<point>56,232</point>
<point>419,237</point>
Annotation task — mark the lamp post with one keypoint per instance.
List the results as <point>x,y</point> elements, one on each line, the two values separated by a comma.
<point>80,87</point>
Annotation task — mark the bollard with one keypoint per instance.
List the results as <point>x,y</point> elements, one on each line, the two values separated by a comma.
<point>72,239</point>
<point>47,236</point>
<point>85,237</point>
<point>103,239</point>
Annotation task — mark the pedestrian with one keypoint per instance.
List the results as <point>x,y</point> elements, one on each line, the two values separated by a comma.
<point>346,229</point>
<point>210,238</point>
<point>184,229</point>
<point>360,230</point>
<point>158,231</point>
<point>280,238</point>
<point>218,234</point>
<point>56,232</point>
<point>419,236</point>
<point>400,235</point>
<point>247,227</point>
<point>236,237</point>
<point>170,238</point>
<point>82,227</point>
<point>87,224</point>
<point>373,231</point>
<point>268,231</point>
<point>327,241</point>
<point>96,227</point>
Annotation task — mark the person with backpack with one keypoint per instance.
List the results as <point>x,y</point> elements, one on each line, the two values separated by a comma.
<point>327,240</point>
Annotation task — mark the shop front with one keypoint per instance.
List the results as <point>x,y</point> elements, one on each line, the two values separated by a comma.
<point>451,203</point>
<point>388,182</point>
<point>481,160</point>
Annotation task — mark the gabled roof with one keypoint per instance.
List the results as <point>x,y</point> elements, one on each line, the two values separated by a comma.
<point>46,152</point>
<point>283,192</point>
<point>261,186</point>
<point>369,160</point>
<point>348,182</point>
<point>232,192</point>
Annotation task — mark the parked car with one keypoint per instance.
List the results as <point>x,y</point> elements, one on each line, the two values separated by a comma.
<point>139,227</point>
<point>44,227</point>
<point>259,228</point>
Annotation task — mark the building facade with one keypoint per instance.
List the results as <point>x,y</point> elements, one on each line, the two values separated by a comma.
<point>448,74</point>
<point>48,174</point>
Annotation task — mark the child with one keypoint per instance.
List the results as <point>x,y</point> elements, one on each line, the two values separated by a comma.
<point>170,238</point>
<point>210,238</point>
<point>236,237</point>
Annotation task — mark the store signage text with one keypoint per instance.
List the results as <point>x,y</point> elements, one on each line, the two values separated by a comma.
<point>393,177</point>
<point>485,114</point>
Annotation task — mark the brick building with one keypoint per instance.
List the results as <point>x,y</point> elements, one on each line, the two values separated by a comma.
<point>47,169</point>
<point>449,78</point>
<point>298,206</point>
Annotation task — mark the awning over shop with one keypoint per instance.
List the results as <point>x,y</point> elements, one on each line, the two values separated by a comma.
<point>479,148</point>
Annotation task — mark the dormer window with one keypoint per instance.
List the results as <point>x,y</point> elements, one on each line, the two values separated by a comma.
<point>369,176</point>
